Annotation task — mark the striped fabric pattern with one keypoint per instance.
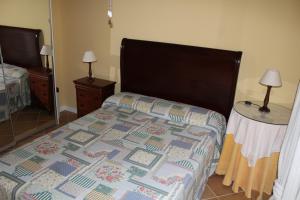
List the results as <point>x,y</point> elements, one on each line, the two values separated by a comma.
<point>185,164</point>
<point>94,195</point>
<point>20,171</point>
<point>42,196</point>
<point>151,147</point>
<point>83,181</point>
<point>22,153</point>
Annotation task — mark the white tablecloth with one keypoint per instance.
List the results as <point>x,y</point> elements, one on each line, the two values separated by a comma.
<point>258,139</point>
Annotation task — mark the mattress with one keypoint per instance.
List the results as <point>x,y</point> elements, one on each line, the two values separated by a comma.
<point>17,88</point>
<point>134,147</point>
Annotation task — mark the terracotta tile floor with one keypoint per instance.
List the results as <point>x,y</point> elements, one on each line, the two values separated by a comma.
<point>214,190</point>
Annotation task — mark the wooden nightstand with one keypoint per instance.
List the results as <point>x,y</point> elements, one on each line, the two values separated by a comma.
<point>41,87</point>
<point>91,94</point>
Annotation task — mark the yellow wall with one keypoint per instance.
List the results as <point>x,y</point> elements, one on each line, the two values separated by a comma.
<point>26,13</point>
<point>79,26</point>
<point>266,31</point>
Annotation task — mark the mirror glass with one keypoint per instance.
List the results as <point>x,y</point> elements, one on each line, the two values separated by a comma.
<point>25,37</point>
<point>6,134</point>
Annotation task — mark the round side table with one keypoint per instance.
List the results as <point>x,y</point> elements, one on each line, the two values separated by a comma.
<point>252,145</point>
<point>278,115</point>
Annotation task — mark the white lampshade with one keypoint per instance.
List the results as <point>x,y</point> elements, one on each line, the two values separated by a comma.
<point>89,56</point>
<point>46,50</point>
<point>271,77</point>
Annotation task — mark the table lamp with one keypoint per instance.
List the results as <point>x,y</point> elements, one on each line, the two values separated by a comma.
<point>89,57</point>
<point>271,78</point>
<point>46,51</point>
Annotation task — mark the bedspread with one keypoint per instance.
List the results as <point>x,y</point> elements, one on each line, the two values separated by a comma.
<point>17,88</point>
<point>134,147</point>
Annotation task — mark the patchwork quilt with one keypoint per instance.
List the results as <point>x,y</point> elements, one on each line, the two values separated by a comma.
<point>17,89</point>
<point>134,147</point>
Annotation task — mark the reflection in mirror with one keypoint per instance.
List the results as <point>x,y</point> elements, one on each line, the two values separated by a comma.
<point>6,133</point>
<point>29,84</point>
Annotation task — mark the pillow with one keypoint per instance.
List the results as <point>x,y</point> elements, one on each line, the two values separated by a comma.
<point>169,110</point>
<point>13,71</point>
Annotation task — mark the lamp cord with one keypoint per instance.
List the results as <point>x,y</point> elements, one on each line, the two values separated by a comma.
<point>251,103</point>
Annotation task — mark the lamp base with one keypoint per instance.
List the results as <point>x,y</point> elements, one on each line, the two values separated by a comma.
<point>46,69</point>
<point>264,109</point>
<point>91,79</point>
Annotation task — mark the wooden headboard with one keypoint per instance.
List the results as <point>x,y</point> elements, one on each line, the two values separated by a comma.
<point>21,46</point>
<point>194,75</point>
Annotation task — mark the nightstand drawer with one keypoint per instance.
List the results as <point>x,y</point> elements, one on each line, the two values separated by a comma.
<point>84,108</point>
<point>88,100</point>
<point>33,83</point>
<point>44,85</point>
<point>91,94</point>
<point>44,90</point>
<point>44,96</point>
<point>41,88</point>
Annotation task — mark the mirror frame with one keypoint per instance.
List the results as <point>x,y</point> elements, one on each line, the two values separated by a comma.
<point>55,91</point>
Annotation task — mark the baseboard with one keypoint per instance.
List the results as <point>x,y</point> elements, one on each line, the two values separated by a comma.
<point>68,108</point>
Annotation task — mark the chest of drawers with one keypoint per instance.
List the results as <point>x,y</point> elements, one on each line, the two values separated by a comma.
<point>91,94</point>
<point>41,87</point>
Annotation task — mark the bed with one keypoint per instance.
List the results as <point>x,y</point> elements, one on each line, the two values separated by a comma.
<point>142,143</point>
<point>20,51</point>
<point>16,87</point>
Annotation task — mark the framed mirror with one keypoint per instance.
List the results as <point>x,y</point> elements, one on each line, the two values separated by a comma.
<point>28,70</point>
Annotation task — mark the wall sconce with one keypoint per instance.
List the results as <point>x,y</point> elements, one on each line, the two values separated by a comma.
<point>109,13</point>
